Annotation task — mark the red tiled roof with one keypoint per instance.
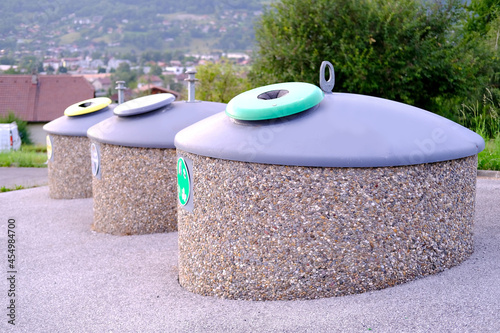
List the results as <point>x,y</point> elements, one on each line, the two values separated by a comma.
<point>44,101</point>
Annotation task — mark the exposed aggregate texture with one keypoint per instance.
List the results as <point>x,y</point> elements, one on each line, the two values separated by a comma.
<point>137,191</point>
<point>271,232</point>
<point>70,172</point>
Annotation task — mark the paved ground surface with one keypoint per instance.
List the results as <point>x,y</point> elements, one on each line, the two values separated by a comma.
<point>26,177</point>
<point>70,279</point>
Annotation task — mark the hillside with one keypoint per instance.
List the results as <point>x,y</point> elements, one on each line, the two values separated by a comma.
<point>42,26</point>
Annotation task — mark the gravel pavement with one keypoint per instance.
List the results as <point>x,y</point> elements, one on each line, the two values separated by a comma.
<point>71,279</point>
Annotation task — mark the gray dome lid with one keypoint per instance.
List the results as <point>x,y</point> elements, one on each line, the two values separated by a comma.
<point>154,129</point>
<point>143,104</point>
<point>78,125</point>
<point>344,130</point>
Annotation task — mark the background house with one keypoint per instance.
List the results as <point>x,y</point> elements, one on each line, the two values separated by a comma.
<point>54,63</point>
<point>39,99</point>
<point>101,86</point>
<point>145,80</point>
<point>101,83</point>
<point>150,89</point>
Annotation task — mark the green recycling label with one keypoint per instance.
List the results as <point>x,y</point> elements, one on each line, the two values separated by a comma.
<point>183,183</point>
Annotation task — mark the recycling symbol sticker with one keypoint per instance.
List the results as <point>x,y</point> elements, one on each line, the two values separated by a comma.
<point>183,184</point>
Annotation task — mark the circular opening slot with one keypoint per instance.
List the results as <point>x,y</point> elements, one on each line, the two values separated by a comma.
<point>273,94</point>
<point>84,105</point>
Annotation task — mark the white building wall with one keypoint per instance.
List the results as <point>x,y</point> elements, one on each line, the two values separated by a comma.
<point>37,134</point>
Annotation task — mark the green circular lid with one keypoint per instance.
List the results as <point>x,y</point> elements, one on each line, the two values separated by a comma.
<point>274,101</point>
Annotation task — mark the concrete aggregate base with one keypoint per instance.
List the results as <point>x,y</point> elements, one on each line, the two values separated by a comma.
<point>270,232</point>
<point>137,192</point>
<point>70,173</point>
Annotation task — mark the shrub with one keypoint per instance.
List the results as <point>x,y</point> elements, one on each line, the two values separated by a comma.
<point>483,117</point>
<point>220,82</point>
<point>403,50</point>
<point>22,126</point>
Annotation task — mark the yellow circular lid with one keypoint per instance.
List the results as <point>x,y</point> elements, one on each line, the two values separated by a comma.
<point>87,106</point>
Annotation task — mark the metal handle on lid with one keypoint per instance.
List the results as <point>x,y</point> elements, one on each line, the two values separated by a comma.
<point>121,91</point>
<point>191,87</point>
<point>326,86</point>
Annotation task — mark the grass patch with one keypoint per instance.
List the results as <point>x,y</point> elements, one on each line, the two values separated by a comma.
<point>29,156</point>
<point>106,39</point>
<point>186,17</point>
<point>203,45</point>
<point>483,117</point>
<point>70,38</point>
<point>34,149</point>
<point>489,158</point>
<point>5,189</point>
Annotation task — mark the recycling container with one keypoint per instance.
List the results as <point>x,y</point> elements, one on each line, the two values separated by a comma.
<point>299,193</point>
<point>134,163</point>
<point>68,146</point>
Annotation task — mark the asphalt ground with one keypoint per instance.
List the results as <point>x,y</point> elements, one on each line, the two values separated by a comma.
<point>26,177</point>
<point>70,279</point>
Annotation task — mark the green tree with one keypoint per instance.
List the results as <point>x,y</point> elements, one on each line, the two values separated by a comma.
<point>402,50</point>
<point>482,12</point>
<point>219,82</point>
<point>172,84</point>
<point>6,60</point>
<point>483,31</point>
<point>29,63</point>
<point>50,69</point>
<point>480,110</point>
<point>96,55</point>
<point>124,73</point>
<point>155,70</point>
<point>11,71</point>
<point>22,126</point>
<point>151,56</point>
